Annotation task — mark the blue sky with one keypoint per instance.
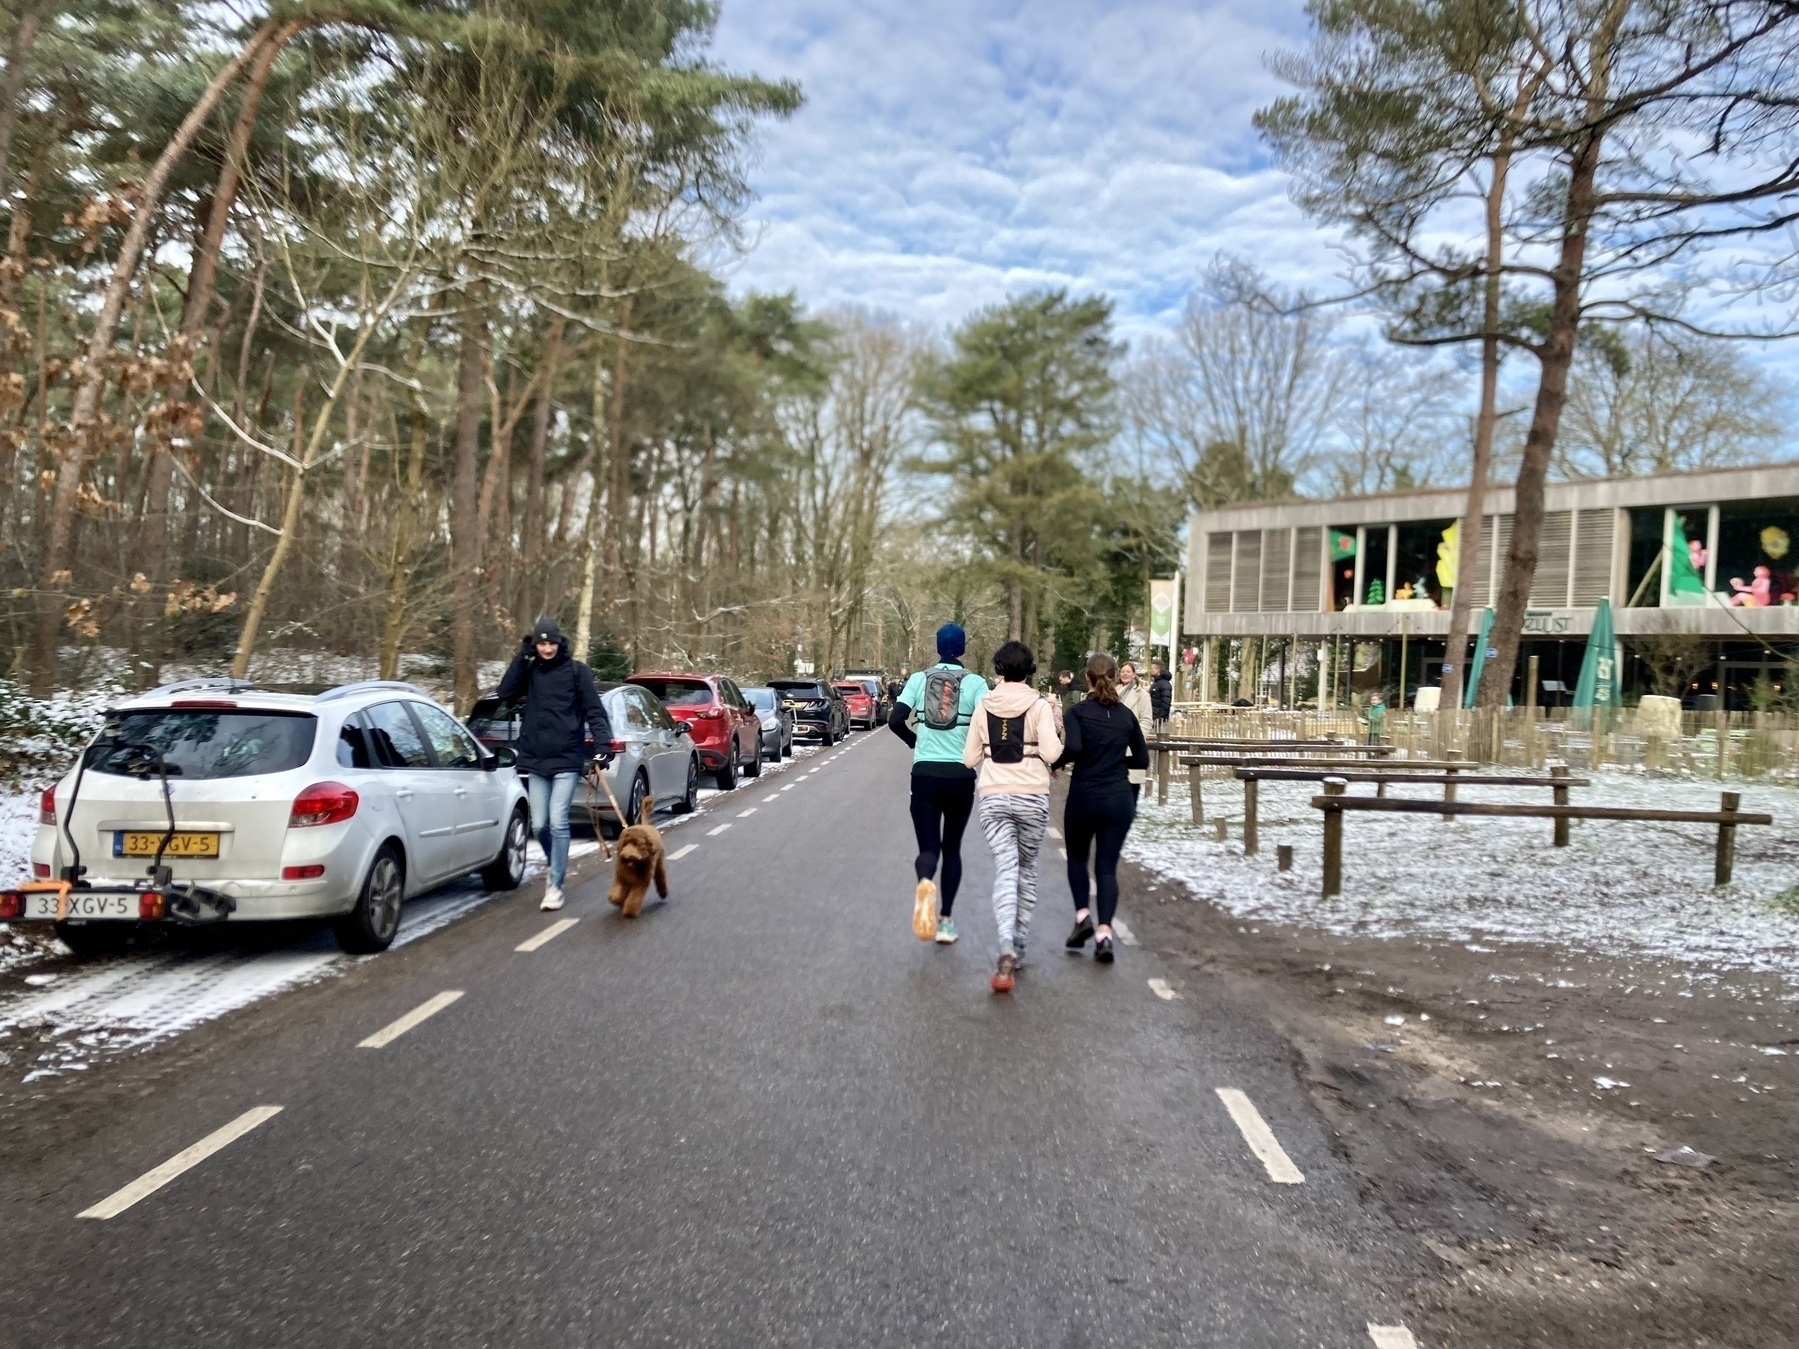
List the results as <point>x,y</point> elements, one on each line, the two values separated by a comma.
<point>951,154</point>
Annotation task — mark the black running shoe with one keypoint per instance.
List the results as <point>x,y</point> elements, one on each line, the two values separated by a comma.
<point>1102,950</point>
<point>1082,934</point>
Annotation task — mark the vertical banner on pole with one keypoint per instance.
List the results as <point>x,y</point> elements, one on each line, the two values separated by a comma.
<point>1164,622</point>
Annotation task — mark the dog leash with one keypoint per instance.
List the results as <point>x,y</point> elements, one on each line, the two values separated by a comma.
<point>593,811</point>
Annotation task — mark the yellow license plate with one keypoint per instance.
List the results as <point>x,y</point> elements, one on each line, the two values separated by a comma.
<point>134,843</point>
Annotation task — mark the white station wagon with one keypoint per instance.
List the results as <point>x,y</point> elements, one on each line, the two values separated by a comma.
<point>215,800</point>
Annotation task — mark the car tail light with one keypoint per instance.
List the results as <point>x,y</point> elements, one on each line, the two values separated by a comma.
<point>149,906</point>
<point>310,872</point>
<point>323,803</point>
<point>46,806</point>
<point>40,871</point>
<point>618,746</point>
<point>12,905</point>
<point>713,714</point>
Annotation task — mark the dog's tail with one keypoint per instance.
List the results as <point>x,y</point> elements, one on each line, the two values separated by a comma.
<point>646,810</point>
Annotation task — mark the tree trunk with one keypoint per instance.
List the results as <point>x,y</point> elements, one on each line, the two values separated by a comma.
<point>533,541</point>
<point>399,564</point>
<point>59,544</point>
<point>290,526</point>
<point>1556,354</point>
<point>1474,513</point>
<point>465,542</point>
<point>13,86</point>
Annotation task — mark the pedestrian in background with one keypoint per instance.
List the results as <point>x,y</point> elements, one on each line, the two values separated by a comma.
<point>1132,694</point>
<point>1012,742</point>
<point>943,698</point>
<point>562,711</point>
<point>1066,692</point>
<point>1161,696</point>
<point>1103,742</point>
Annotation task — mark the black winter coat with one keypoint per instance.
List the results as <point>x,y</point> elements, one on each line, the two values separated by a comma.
<point>1161,696</point>
<point>562,709</point>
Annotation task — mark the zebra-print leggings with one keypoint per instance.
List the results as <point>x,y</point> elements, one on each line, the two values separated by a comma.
<point>1014,825</point>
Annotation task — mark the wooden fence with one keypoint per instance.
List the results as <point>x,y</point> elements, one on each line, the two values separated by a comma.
<point>1758,745</point>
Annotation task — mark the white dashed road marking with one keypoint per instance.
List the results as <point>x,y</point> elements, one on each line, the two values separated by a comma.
<point>790,786</point>
<point>745,813</point>
<point>718,829</point>
<point>1125,935</point>
<point>1054,832</point>
<point>549,934</point>
<point>1161,989</point>
<point>1062,853</point>
<point>1267,1147</point>
<point>432,1006</point>
<point>151,1181</point>
<point>677,856</point>
<point>1391,1337</point>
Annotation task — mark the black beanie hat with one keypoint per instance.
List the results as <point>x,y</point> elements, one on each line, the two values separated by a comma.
<point>546,630</point>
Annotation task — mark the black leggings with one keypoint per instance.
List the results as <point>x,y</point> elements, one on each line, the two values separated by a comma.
<point>940,811</point>
<point>1085,824</point>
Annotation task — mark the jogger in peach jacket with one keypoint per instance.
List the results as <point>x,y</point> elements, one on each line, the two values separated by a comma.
<point>1012,741</point>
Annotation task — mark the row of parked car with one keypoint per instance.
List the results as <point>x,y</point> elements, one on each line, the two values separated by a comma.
<point>221,799</point>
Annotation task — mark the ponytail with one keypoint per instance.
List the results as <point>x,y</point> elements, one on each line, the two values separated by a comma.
<point>1102,679</point>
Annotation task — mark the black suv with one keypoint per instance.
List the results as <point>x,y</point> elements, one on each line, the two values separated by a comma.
<point>817,708</point>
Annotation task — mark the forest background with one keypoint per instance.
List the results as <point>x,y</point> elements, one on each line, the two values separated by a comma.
<point>380,326</point>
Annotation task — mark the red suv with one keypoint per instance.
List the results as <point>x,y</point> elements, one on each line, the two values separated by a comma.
<point>862,706</point>
<point>726,731</point>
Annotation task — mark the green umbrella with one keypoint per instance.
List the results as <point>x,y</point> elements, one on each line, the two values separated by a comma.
<point>1480,658</point>
<point>1598,686</point>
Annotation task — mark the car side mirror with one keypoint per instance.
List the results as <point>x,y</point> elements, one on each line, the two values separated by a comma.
<point>682,728</point>
<point>503,757</point>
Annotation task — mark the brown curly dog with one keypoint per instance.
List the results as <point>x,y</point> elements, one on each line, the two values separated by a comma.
<point>640,858</point>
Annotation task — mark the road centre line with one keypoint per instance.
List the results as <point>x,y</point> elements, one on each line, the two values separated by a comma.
<point>677,856</point>
<point>790,786</point>
<point>1391,1337</point>
<point>1062,853</point>
<point>713,833</point>
<point>1267,1147</point>
<point>744,813</point>
<point>1125,935</point>
<point>151,1181</point>
<point>1054,832</point>
<point>432,1006</point>
<point>1161,989</point>
<point>548,935</point>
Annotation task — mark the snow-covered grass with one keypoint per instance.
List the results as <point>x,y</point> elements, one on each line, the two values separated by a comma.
<point>1620,888</point>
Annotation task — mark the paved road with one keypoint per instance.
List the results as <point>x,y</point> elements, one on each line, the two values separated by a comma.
<point>762,1114</point>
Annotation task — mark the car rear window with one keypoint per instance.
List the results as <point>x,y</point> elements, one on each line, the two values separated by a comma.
<point>678,692</point>
<point>795,689</point>
<point>490,716</point>
<point>203,745</point>
<point>761,698</point>
<point>852,688</point>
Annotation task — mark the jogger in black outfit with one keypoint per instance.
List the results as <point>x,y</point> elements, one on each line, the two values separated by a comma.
<point>1102,743</point>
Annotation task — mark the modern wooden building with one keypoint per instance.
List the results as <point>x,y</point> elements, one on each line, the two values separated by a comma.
<point>1380,569</point>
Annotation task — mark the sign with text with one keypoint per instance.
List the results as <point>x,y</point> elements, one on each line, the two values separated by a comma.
<point>1164,612</point>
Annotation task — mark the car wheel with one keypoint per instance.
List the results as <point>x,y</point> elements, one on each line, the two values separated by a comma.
<point>753,769</point>
<point>507,870</point>
<point>688,803</point>
<point>726,777</point>
<point>371,925</point>
<point>640,790</point>
<point>787,748</point>
<point>89,941</point>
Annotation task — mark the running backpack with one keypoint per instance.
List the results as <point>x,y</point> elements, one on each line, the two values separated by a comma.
<point>1005,737</point>
<point>942,710</point>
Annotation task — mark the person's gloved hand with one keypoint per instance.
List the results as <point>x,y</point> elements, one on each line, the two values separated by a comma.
<point>527,645</point>
<point>601,762</point>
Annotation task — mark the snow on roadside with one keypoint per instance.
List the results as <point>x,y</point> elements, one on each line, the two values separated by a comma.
<point>1621,888</point>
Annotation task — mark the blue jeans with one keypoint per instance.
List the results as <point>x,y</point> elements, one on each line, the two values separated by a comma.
<point>550,800</point>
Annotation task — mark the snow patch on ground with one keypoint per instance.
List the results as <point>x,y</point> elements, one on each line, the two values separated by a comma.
<point>1620,889</point>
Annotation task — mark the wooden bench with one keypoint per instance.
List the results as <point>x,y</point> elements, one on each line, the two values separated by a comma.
<point>1335,801</point>
<point>1558,781</point>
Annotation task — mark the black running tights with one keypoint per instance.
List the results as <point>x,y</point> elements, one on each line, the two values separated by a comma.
<point>940,811</point>
<point>1101,827</point>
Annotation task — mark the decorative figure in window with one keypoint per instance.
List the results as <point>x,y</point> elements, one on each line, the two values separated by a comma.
<point>1377,593</point>
<point>1756,594</point>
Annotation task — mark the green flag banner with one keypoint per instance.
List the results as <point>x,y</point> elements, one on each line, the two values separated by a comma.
<point>1686,584</point>
<point>1471,686</point>
<point>1599,670</point>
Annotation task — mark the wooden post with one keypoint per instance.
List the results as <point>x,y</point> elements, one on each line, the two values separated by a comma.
<point>1530,710</point>
<point>1723,732</point>
<point>1283,853</point>
<point>1164,758</point>
<point>1333,840</point>
<point>1199,805</point>
<point>1218,828</point>
<point>1380,788</point>
<point>1727,840</point>
<point>1449,786</point>
<point>1561,799</point>
<point>1252,844</point>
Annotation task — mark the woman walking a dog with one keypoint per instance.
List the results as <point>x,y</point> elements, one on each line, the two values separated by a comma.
<point>1012,741</point>
<point>1102,743</point>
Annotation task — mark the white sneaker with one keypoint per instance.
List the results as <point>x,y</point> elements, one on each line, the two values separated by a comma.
<point>552,898</point>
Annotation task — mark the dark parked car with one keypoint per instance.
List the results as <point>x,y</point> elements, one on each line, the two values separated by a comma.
<point>818,709</point>
<point>725,728</point>
<point>777,723</point>
<point>863,709</point>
